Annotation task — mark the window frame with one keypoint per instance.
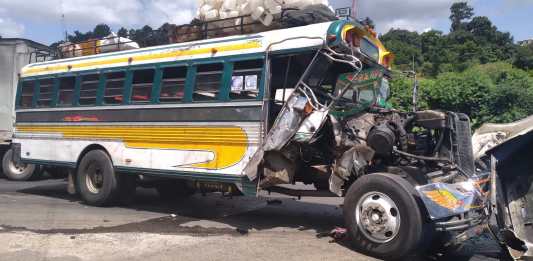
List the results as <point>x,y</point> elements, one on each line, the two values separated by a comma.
<point>35,102</point>
<point>190,82</point>
<point>261,83</point>
<point>103,86</point>
<point>19,95</point>
<point>79,84</point>
<point>129,80</point>
<point>192,74</point>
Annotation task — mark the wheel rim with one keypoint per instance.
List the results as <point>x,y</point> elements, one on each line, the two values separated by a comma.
<point>94,178</point>
<point>378,217</point>
<point>17,169</point>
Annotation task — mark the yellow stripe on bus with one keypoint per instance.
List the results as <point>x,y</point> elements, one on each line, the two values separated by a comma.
<point>143,57</point>
<point>228,144</point>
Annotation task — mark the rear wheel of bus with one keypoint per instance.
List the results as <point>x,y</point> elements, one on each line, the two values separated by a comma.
<point>99,184</point>
<point>383,217</point>
<point>19,171</point>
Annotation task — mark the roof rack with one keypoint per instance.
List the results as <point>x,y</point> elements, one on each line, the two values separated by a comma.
<point>195,31</point>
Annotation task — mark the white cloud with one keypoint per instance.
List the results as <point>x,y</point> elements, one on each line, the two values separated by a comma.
<point>406,14</point>
<point>87,13</point>
<point>84,14</point>
<point>8,27</point>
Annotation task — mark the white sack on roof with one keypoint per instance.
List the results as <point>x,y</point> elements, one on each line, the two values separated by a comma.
<point>260,10</point>
<point>114,43</point>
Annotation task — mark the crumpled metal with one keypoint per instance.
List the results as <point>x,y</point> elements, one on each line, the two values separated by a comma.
<point>286,124</point>
<point>445,200</point>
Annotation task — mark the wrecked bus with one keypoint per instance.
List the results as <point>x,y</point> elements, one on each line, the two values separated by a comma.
<point>246,113</point>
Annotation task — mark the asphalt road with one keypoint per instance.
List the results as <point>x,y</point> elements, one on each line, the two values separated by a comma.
<point>40,221</point>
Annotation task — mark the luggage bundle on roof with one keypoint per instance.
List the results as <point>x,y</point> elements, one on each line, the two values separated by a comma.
<point>111,43</point>
<point>217,18</point>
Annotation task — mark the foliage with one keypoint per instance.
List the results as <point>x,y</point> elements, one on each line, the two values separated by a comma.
<point>460,11</point>
<point>472,40</point>
<point>494,92</point>
<point>475,69</point>
<point>145,36</point>
<point>524,57</point>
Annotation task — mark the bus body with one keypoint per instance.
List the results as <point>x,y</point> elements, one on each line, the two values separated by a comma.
<point>250,112</point>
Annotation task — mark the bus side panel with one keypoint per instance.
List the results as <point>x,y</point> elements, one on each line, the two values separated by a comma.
<point>224,148</point>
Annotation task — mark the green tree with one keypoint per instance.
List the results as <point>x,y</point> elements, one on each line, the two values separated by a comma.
<point>524,57</point>
<point>460,11</point>
<point>406,46</point>
<point>101,31</point>
<point>122,32</point>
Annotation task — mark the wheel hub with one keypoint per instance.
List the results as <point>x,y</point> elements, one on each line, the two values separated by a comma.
<point>378,217</point>
<point>17,169</point>
<point>94,179</point>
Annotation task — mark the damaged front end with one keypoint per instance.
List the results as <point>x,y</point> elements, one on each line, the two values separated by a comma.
<point>505,150</point>
<point>336,127</point>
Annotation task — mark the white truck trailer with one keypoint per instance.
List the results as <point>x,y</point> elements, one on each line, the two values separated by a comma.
<point>14,54</point>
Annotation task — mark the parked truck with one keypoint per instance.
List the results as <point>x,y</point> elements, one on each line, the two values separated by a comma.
<point>15,53</point>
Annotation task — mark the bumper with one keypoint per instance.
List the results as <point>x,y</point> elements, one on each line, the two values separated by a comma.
<point>443,200</point>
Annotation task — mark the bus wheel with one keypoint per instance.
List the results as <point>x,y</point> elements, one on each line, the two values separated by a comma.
<point>97,181</point>
<point>173,189</point>
<point>19,171</point>
<point>382,216</point>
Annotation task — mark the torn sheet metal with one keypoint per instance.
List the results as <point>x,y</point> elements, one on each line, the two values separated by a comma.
<point>284,128</point>
<point>311,126</point>
<point>445,200</point>
<point>490,136</point>
<point>287,123</point>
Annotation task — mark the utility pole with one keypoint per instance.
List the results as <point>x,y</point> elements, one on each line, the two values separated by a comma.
<point>354,9</point>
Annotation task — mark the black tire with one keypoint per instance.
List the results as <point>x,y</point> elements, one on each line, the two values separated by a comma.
<point>19,172</point>
<point>97,182</point>
<point>412,229</point>
<point>173,189</point>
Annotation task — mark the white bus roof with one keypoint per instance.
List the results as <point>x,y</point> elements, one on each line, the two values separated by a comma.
<point>306,37</point>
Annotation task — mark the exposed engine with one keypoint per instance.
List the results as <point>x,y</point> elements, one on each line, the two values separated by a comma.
<point>425,146</point>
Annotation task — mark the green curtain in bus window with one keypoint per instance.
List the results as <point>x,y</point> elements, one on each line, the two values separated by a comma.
<point>173,84</point>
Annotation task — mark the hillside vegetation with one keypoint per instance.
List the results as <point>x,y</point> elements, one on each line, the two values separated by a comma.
<point>475,69</point>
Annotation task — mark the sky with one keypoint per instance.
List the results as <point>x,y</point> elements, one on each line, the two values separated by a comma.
<point>46,20</point>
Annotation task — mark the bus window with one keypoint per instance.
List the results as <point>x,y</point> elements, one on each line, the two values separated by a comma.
<point>173,84</point>
<point>46,89</point>
<point>114,87</point>
<point>66,91</point>
<point>143,80</point>
<point>245,80</point>
<point>26,99</point>
<point>208,79</point>
<point>88,89</point>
